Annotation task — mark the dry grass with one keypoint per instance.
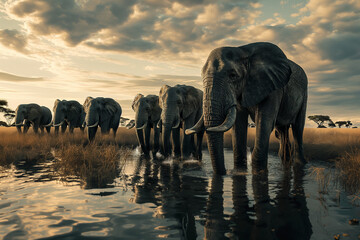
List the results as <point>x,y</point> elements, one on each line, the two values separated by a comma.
<point>95,165</point>
<point>349,170</point>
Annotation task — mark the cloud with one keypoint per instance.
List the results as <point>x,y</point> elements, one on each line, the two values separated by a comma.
<point>14,78</point>
<point>13,39</point>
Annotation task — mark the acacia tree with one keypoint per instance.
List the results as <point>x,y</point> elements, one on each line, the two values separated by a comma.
<point>342,123</point>
<point>321,119</point>
<point>9,114</point>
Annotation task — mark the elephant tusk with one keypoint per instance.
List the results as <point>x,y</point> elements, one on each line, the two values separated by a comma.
<point>56,125</point>
<point>177,124</point>
<point>142,127</point>
<point>158,125</point>
<point>199,126</point>
<point>19,124</point>
<point>227,124</point>
<point>94,125</point>
<point>48,125</point>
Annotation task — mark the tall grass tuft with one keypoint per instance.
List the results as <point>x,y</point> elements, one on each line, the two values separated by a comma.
<point>349,170</point>
<point>96,166</point>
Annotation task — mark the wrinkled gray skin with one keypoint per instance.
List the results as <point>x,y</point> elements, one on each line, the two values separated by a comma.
<point>147,115</point>
<point>256,80</point>
<point>181,107</point>
<point>68,113</point>
<point>35,115</point>
<point>102,112</point>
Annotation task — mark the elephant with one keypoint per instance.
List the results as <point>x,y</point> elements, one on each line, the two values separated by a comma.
<point>257,80</point>
<point>68,113</point>
<point>103,112</point>
<point>147,115</point>
<point>130,124</point>
<point>181,107</point>
<point>35,115</point>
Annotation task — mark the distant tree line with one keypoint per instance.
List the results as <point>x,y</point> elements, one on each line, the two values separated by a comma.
<point>8,113</point>
<point>322,120</point>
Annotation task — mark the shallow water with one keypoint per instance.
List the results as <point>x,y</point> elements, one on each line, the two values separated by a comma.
<point>174,200</point>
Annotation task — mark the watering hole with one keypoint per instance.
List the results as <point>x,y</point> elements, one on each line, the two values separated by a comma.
<point>154,200</point>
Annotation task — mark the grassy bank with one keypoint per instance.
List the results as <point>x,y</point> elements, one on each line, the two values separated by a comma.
<point>95,161</point>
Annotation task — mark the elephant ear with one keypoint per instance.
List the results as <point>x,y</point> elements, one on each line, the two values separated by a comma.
<point>56,104</point>
<point>268,70</point>
<point>136,99</point>
<point>163,90</point>
<point>192,100</point>
<point>110,107</point>
<point>155,108</point>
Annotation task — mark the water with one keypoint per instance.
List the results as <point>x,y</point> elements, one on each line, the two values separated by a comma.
<point>176,201</point>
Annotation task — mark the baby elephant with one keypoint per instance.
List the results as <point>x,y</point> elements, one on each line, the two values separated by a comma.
<point>35,115</point>
<point>147,115</point>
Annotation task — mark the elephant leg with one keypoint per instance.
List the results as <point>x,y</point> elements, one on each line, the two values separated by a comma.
<point>156,140</point>
<point>42,130</point>
<point>239,139</point>
<point>71,129</point>
<point>147,138</point>
<point>18,128</point>
<point>63,127</point>
<point>105,127</point>
<point>140,137</point>
<point>56,130</point>
<point>176,142</point>
<point>26,126</point>
<point>187,144</point>
<point>265,122</point>
<point>298,129</point>
<point>48,129</point>
<point>199,139</point>
<point>114,132</point>
<point>36,127</point>
<point>285,146</point>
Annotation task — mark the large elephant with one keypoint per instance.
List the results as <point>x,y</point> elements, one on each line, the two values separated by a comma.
<point>257,80</point>
<point>181,107</point>
<point>35,115</point>
<point>68,113</point>
<point>147,115</point>
<point>103,112</point>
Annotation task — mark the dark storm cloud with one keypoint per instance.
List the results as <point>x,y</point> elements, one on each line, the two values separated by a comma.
<point>13,39</point>
<point>14,78</point>
<point>341,47</point>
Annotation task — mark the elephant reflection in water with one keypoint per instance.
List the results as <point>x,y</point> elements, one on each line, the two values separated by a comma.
<point>176,196</point>
<point>288,218</point>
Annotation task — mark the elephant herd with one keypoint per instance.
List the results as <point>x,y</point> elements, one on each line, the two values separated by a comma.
<point>256,80</point>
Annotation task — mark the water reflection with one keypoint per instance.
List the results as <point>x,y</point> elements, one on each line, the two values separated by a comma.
<point>185,198</point>
<point>175,200</point>
<point>177,196</point>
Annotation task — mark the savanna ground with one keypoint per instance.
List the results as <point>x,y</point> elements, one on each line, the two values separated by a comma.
<point>98,163</point>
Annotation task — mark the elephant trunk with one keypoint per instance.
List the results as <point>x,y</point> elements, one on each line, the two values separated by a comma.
<point>219,115</point>
<point>58,118</point>
<point>92,121</point>
<point>169,120</point>
<point>19,119</point>
<point>141,118</point>
<point>166,140</point>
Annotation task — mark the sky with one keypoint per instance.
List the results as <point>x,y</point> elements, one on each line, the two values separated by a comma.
<point>71,49</point>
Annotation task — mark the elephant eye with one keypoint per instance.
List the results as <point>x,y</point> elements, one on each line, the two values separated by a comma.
<point>232,75</point>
